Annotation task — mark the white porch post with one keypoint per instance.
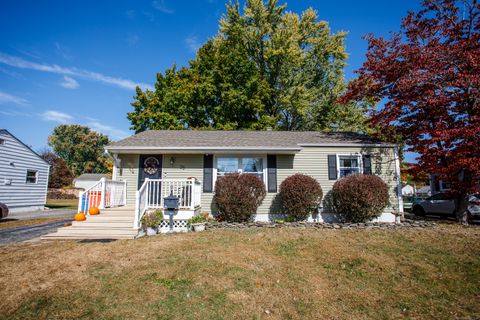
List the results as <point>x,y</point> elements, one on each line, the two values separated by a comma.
<point>103,191</point>
<point>399,181</point>
<point>80,197</point>
<point>193,194</point>
<point>137,210</point>
<point>124,193</point>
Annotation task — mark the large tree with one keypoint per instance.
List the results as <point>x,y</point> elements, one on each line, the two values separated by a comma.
<point>60,174</point>
<point>81,148</point>
<point>265,68</point>
<point>429,76</point>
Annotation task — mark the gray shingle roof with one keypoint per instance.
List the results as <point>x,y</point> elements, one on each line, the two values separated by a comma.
<point>91,176</point>
<point>165,139</point>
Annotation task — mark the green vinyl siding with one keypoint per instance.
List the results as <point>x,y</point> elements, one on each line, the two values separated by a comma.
<point>312,161</point>
<point>128,171</point>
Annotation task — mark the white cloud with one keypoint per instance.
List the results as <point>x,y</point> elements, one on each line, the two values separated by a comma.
<point>63,51</point>
<point>110,131</point>
<point>133,39</point>
<point>69,83</point>
<point>14,113</point>
<point>192,43</point>
<point>161,6</point>
<point>56,116</point>
<point>53,68</point>
<point>6,98</point>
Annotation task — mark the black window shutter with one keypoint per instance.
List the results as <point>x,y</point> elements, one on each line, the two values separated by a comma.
<point>272,172</point>
<point>208,173</point>
<point>332,167</point>
<point>367,164</point>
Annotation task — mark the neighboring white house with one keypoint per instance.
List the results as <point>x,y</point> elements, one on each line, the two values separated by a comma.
<point>23,175</point>
<point>87,180</point>
<point>407,190</point>
<point>424,191</point>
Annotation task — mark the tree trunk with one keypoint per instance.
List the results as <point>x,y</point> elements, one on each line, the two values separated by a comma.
<point>461,207</point>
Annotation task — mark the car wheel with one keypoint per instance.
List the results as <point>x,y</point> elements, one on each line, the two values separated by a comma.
<point>418,211</point>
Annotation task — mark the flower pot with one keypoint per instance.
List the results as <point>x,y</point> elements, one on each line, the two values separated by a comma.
<point>151,231</point>
<point>198,227</point>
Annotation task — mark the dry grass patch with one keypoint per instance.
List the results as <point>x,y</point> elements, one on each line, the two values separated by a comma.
<point>277,274</point>
<point>62,203</point>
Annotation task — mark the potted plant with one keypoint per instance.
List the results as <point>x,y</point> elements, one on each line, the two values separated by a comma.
<point>151,220</point>
<point>197,222</point>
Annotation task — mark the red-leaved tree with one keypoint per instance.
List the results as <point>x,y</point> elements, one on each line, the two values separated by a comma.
<point>428,75</point>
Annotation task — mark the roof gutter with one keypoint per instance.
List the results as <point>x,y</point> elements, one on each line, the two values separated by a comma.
<point>199,150</point>
<point>362,145</point>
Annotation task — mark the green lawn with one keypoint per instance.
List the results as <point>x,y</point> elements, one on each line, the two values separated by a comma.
<point>62,203</point>
<point>248,274</point>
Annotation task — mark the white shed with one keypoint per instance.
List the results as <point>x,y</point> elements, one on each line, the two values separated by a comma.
<point>23,175</point>
<point>407,190</point>
<point>86,180</point>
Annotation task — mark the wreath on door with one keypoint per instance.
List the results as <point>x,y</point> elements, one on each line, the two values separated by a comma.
<point>151,165</point>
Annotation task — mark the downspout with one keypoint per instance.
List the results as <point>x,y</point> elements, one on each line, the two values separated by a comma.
<point>399,185</point>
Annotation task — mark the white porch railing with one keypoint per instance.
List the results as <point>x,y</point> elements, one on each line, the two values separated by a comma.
<point>103,194</point>
<point>151,194</point>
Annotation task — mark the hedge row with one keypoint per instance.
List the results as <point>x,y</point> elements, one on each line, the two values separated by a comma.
<point>357,198</point>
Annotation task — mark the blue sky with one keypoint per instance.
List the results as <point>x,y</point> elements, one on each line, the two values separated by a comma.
<point>79,61</point>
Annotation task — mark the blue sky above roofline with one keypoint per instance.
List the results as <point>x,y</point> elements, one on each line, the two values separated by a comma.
<point>79,61</point>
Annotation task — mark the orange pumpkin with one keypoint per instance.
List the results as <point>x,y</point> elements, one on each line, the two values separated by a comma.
<point>80,217</point>
<point>93,210</point>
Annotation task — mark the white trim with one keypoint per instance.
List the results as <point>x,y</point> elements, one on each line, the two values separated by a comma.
<point>399,181</point>
<point>356,154</point>
<point>36,176</point>
<point>46,184</point>
<point>116,163</point>
<point>264,164</point>
<point>219,148</point>
<point>361,145</point>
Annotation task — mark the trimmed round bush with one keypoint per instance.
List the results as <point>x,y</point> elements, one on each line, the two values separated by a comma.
<point>301,196</point>
<point>359,197</point>
<point>238,196</point>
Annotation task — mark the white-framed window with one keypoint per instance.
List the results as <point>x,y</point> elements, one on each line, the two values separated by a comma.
<point>32,176</point>
<point>348,164</point>
<point>2,141</point>
<point>255,165</point>
<point>444,186</point>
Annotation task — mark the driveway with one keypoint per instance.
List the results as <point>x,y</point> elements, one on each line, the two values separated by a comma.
<point>23,233</point>
<point>19,234</point>
<point>51,213</point>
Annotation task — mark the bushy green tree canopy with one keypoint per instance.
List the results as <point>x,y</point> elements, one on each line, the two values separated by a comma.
<point>81,148</point>
<point>266,68</point>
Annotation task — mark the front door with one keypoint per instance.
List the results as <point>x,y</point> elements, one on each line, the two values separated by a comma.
<point>150,167</point>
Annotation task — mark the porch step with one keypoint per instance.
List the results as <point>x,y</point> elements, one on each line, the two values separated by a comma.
<point>96,231</point>
<point>112,223</point>
<point>102,224</point>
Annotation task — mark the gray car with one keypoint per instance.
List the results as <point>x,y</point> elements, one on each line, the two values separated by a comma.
<point>444,204</point>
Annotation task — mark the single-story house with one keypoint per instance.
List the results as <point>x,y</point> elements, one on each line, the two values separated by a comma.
<point>424,191</point>
<point>86,180</point>
<point>23,175</point>
<point>187,163</point>
<point>407,190</point>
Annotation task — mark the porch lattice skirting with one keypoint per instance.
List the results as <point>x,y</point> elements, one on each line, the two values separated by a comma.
<point>178,226</point>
